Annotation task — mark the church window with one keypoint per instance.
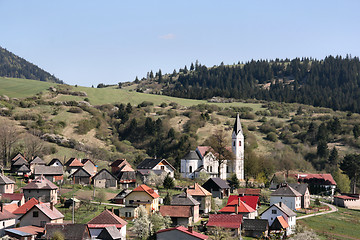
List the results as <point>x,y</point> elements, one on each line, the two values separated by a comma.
<point>234,144</point>
<point>210,168</point>
<point>190,169</point>
<point>207,168</point>
<point>227,169</point>
<point>239,143</point>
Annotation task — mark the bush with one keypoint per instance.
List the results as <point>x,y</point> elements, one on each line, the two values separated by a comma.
<point>145,104</point>
<point>252,128</point>
<point>75,110</point>
<point>272,137</point>
<point>163,105</point>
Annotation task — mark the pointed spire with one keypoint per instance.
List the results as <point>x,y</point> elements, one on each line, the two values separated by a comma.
<point>237,125</point>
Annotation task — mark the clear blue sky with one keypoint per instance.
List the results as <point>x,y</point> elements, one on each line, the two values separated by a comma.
<point>88,42</point>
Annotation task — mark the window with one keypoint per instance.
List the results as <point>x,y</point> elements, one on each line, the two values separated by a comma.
<point>234,144</point>
<point>162,168</point>
<point>131,201</point>
<point>227,169</point>
<point>239,143</point>
<point>35,214</point>
<point>273,211</point>
<point>190,169</point>
<point>207,168</point>
<point>127,214</point>
<point>210,168</point>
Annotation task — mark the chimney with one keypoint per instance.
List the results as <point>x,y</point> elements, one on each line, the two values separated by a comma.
<point>52,206</point>
<point>190,228</point>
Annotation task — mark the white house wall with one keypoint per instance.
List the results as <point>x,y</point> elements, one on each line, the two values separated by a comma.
<point>292,202</point>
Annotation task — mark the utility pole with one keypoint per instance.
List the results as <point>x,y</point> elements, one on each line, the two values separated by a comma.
<point>73,210</point>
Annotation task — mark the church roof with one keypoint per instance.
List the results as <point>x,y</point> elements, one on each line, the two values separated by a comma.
<point>192,155</point>
<point>237,125</point>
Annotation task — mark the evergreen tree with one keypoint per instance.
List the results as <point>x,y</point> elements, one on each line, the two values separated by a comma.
<point>322,149</point>
<point>167,199</point>
<point>351,167</point>
<point>168,182</point>
<point>128,108</point>
<point>234,182</point>
<point>334,157</point>
<point>356,131</point>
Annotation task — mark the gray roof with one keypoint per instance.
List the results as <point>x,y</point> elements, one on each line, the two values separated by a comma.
<point>255,225</point>
<point>48,170</point>
<point>149,163</point>
<point>125,176</point>
<point>286,191</point>
<point>237,125</point>
<point>220,182</point>
<point>54,161</point>
<point>23,168</point>
<point>122,194</point>
<point>5,180</point>
<point>104,174</point>
<point>81,172</point>
<point>285,209</point>
<point>300,187</point>
<point>184,199</point>
<point>20,161</point>
<point>192,155</point>
<point>37,160</point>
<point>110,232</point>
<point>69,230</point>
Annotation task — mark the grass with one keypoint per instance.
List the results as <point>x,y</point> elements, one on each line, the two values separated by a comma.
<point>20,88</point>
<point>338,225</point>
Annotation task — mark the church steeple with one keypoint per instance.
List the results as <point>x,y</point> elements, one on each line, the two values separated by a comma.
<point>237,125</point>
<point>238,148</point>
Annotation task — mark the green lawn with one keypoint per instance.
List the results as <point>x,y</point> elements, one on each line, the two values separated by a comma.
<point>343,224</point>
<point>20,88</point>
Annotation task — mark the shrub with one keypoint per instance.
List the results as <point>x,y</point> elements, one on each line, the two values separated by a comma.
<point>252,128</point>
<point>75,110</point>
<point>145,104</point>
<point>272,137</point>
<point>163,105</point>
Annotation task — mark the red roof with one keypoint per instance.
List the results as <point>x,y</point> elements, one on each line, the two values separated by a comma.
<point>148,190</point>
<point>105,219</point>
<point>345,197</point>
<point>225,220</point>
<point>185,230</point>
<point>11,207</point>
<point>242,207</point>
<point>249,191</point>
<point>25,207</point>
<point>73,162</point>
<point>323,177</point>
<point>204,149</point>
<point>5,214</point>
<point>175,211</point>
<point>252,201</point>
<point>12,196</point>
<point>30,229</point>
<point>282,222</point>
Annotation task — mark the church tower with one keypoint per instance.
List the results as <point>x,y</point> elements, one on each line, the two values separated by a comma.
<point>238,149</point>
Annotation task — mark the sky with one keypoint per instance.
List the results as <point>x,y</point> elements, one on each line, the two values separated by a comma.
<point>87,42</point>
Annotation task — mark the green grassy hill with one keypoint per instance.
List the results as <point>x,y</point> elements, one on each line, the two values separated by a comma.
<point>21,88</point>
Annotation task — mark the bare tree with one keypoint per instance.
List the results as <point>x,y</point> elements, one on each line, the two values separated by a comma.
<point>219,144</point>
<point>8,137</point>
<point>33,145</point>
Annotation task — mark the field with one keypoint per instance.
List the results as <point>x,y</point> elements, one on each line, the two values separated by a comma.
<point>343,224</point>
<point>20,88</point>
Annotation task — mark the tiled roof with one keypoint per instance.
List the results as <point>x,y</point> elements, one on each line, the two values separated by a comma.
<point>19,155</point>
<point>220,182</point>
<point>110,232</point>
<point>252,201</point>
<point>104,174</point>
<point>225,220</point>
<point>26,230</point>
<point>148,190</point>
<point>122,194</point>
<point>5,180</point>
<point>249,191</point>
<point>106,218</point>
<point>204,149</point>
<point>71,231</point>
<point>37,160</point>
<point>73,162</point>
<point>279,223</point>
<point>184,199</point>
<point>50,213</point>
<point>85,160</point>
<point>185,230</point>
<point>149,163</point>
<point>119,163</point>
<point>242,207</point>
<point>197,190</point>
<point>5,214</point>
<point>80,172</point>
<point>48,170</point>
<point>20,161</point>
<point>255,225</point>
<point>300,187</point>
<point>40,183</point>
<point>192,155</point>
<point>345,197</point>
<point>286,191</point>
<point>24,168</point>
<point>176,211</point>
<point>12,196</point>
<point>25,207</point>
<point>11,207</point>
<point>285,209</point>
<point>324,178</point>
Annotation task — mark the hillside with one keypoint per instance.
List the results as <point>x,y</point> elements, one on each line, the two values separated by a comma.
<point>333,82</point>
<point>13,66</point>
<point>109,123</point>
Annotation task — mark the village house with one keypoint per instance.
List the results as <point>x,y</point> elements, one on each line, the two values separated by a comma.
<point>320,183</point>
<point>72,165</point>
<point>24,170</point>
<point>227,222</point>
<point>7,219</point>
<point>6,184</point>
<point>201,195</point>
<point>104,179</point>
<point>19,155</point>
<point>282,213</point>
<point>20,161</point>
<point>351,201</point>
<point>55,162</point>
<point>81,176</point>
<point>120,197</point>
<point>25,207</point>
<point>157,164</point>
<point>41,214</point>
<point>140,196</point>
<point>249,191</point>
<point>41,189</point>
<point>73,231</point>
<point>287,195</point>
<point>303,189</point>
<point>17,198</point>
<point>255,228</point>
<point>52,173</point>
<point>37,161</point>
<point>121,165</point>
<point>236,206</point>
<point>106,219</point>
<point>217,187</point>
<point>124,173</point>
<point>180,232</point>
<point>89,166</point>
<point>25,233</point>
<point>252,201</point>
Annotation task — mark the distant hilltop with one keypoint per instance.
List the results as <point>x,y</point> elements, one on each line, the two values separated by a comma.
<point>16,67</point>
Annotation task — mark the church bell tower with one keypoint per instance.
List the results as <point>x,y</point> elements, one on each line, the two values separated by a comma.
<point>238,149</point>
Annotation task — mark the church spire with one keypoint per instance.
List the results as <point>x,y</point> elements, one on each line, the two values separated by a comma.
<point>237,125</point>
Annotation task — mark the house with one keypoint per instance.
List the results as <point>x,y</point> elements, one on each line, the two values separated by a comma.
<point>281,210</point>
<point>41,214</point>
<point>204,158</point>
<point>19,155</point>
<point>72,202</point>
<point>287,195</point>
<point>24,170</point>
<point>55,162</point>
<point>185,199</point>
<point>81,176</point>
<point>226,222</point>
<point>236,206</point>
<point>180,232</point>
<point>52,173</point>
<point>143,174</point>
<point>72,165</point>
<point>104,179</point>
<point>41,189</point>
<point>7,219</point>
<point>18,163</point>
<point>120,197</point>
<point>318,183</point>
<point>351,201</point>
<point>255,228</point>
<point>201,195</point>
<point>127,179</point>
<point>252,201</point>
<point>121,165</point>
<point>17,198</point>
<point>70,231</point>
<point>25,207</point>
<point>249,191</point>
<point>157,164</point>
<point>142,195</point>
<point>303,189</point>
<point>218,187</point>
<point>110,233</point>
<point>180,215</point>
<point>106,219</point>
<point>37,161</point>
<point>89,166</point>
<point>25,233</point>
<point>6,184</point>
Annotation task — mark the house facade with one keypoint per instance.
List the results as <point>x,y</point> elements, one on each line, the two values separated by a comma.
<point>201,195</point>
<point>51,173</point>
<point>217,187</point>
<point>303,189</point>
<point>226,222</point>
<point>41,189</point>
<point>104,179</point>
<point>81,176</point>
<point>280,209</point>
<point>351,201</point>
<point>6,184</point>
<point>288,196</point>
<point>157,165</point>
<point>7,219</point>
<point>41,214</point>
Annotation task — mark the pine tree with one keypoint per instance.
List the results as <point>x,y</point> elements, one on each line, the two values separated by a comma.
<point>168,182</point>
<point>167,199</point>
<point>322,149</point>
<point>334,157</point>
<point>356,131</point>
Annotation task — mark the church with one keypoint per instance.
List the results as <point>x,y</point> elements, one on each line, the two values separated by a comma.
<point>203,159</point>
